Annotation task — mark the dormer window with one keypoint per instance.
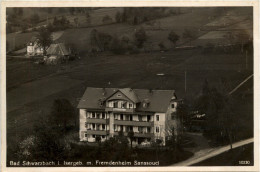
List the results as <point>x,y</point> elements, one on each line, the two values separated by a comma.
<point>173,106</point>
<point>145,103</point>
<point>101,103</point>
<point>124,105</point>
<point>130,105</point>
<point>115,104</point>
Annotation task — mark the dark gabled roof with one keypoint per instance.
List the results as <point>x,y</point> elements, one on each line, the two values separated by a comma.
<point>34,40</point>
<point>58,49</point>
<point>91,97</point>
<point>158,99</point>
<point>129,93</point>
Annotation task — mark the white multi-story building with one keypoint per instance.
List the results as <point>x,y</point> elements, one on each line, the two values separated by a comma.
<point>150,114</point>
<point>34,48</point>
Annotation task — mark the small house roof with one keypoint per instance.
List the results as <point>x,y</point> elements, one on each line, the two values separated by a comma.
<point>58,49</point>
<point>34,40</point>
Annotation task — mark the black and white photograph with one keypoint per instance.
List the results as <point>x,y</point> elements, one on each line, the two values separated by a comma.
<point>122,86</point>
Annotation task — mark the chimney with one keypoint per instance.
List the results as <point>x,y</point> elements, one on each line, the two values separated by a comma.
<point>104,91</point>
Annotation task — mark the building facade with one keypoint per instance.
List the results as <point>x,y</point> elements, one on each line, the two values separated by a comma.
<point>150,114</point>
<point>33,48</point>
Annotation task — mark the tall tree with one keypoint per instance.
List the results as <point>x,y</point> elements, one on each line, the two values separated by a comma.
<point>218,107</point>
<point>118,17</point>
<point>140,37</point>
<point>50,10</point>
<point>76,21</point>
<point>100,40</point>
<point>62,111</point>
<point>173,37</point>
<point>35,18</point>
<point>107,19</point>
<point>45,39</point>
<point>130,134</point>
<point>72,10</point>
<point>98,139</point>
<point>20,12</point>
<point>189,34</point>
<point>46,143</point>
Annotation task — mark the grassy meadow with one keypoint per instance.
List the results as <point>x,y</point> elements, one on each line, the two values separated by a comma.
<point>105,69</point>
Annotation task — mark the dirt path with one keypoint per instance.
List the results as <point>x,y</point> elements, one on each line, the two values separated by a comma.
<point>237,87</point>
<point>211,152</point>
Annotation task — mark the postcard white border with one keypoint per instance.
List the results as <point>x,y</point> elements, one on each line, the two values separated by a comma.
<point>91,3</point>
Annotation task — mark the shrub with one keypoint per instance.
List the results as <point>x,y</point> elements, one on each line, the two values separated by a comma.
<point>140,37</point>
<point>173,37</point>
<point>107,19</point>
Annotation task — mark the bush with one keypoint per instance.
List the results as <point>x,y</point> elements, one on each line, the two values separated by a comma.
<point>117,46</point>
<point>162,46</point>
<point>60,24</point>
<point>140,37</point>
<point>107,19</point>
<point>118,17</point>
<point>35,18</point>
<point>173,37</point>
<point>136,16</point>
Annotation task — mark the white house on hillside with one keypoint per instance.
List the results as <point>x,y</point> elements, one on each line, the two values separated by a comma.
<point>33,47</point>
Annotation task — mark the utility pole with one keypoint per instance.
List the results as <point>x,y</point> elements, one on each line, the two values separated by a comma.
<point>15,122</point>
<point>246,61</point>
<point>14,39</point>
<point>185,80</point>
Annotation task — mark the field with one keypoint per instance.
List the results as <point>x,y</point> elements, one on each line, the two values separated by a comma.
<point>198,20</point>
<point>157,32</point>
<point>107,70</point>
<point>32,88</point>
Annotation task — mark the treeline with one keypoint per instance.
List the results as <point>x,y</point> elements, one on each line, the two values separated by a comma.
<point>101,41</point>
<point>61,23</point>
<point>21,19</point>
<point>15,22</point>
<point>136,42</point>
<point>136,16</point>
<point>229,118</point>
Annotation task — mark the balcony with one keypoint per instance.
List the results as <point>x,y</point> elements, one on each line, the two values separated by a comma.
<point>97,121</point>
<point>134,123</point>
<point>119,110</point>
<point>144,135</point>
<point>98,132</point>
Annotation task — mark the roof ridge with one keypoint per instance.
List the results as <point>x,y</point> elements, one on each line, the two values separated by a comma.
<point>131,88</point>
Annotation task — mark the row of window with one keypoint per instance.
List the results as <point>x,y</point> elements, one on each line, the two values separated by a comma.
<point>121,104</point>
<point>95,126</point>
<point>120,128</point>
<point>129,117</point>
<point>97,115</point>
<point>94,136</point>
<point>130,128</point>
<point>103,136</point>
